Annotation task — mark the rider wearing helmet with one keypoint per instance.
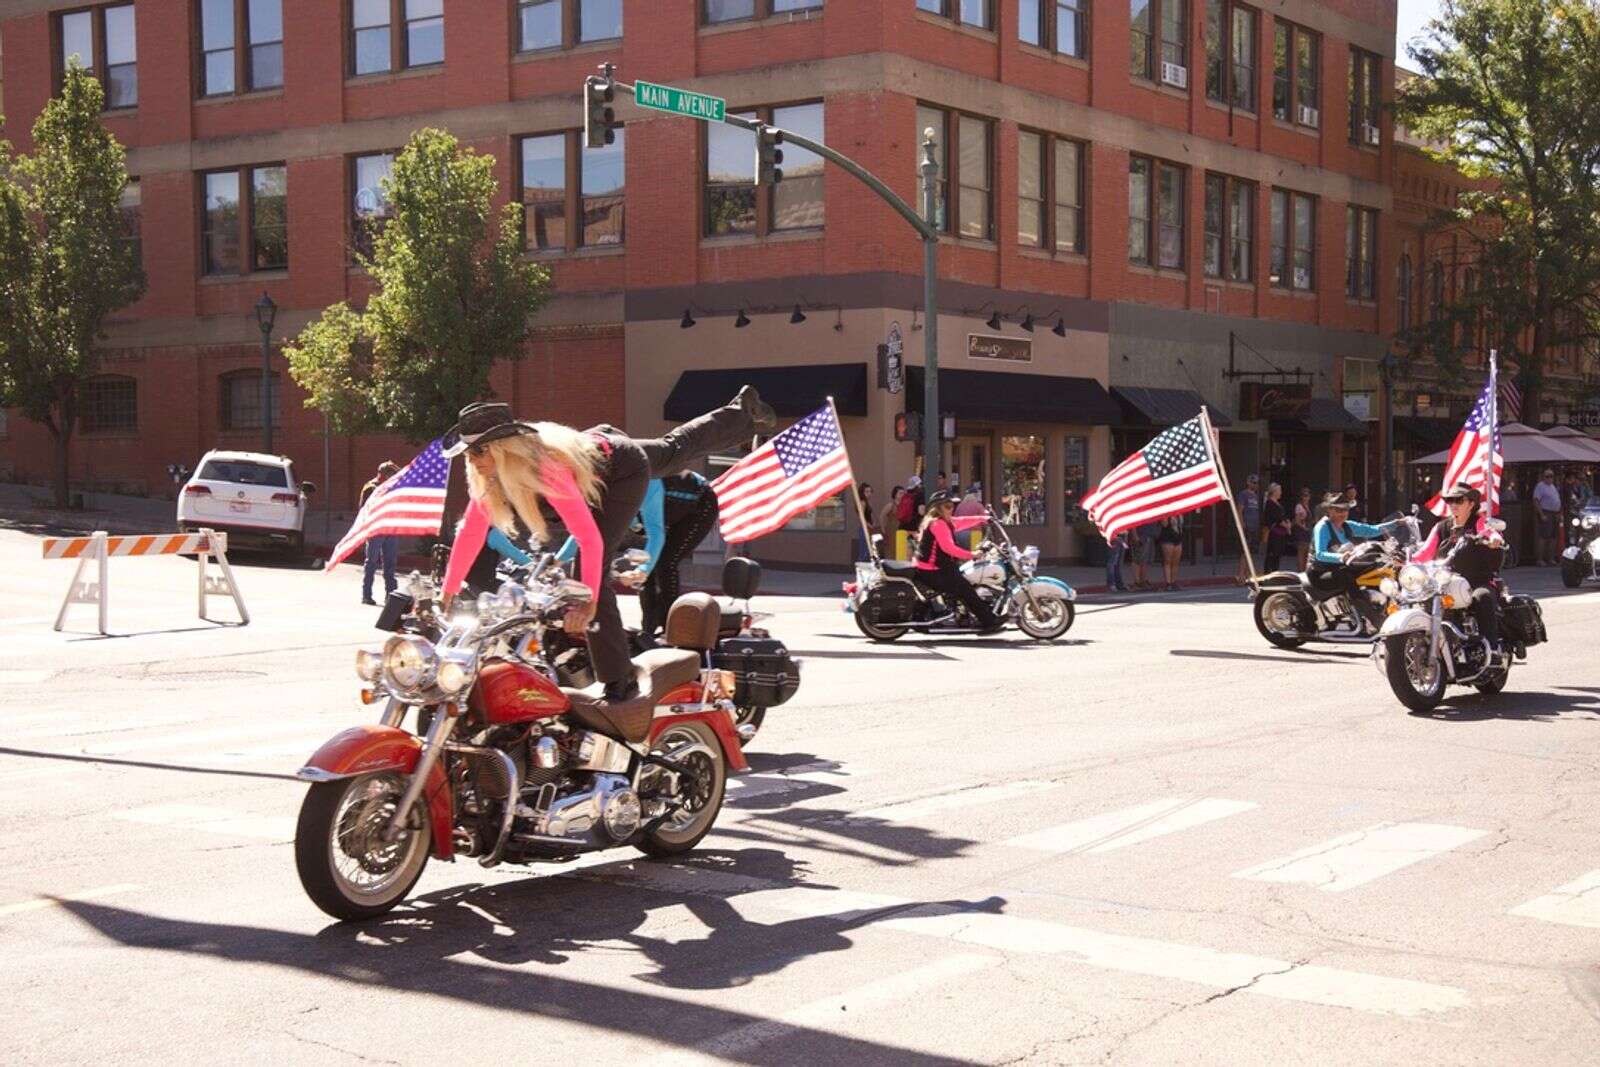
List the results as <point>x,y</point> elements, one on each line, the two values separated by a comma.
<point>938,558</point>
<point>1478,561</point>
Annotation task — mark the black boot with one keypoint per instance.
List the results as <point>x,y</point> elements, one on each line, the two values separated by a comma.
<point>762,417</point>
<point>621,692</point>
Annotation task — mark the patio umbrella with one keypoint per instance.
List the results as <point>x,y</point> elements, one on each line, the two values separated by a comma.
<point>1523,444</point>
<point>1576,438</point>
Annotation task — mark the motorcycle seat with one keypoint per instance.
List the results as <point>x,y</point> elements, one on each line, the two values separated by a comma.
<point>899,569</point>
<point>659,672</point>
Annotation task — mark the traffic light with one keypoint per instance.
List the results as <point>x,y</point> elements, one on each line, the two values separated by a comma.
<point>769,155</point>
<point>598,117</point>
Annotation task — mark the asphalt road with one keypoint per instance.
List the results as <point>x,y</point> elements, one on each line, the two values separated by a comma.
<point>1155,841</point>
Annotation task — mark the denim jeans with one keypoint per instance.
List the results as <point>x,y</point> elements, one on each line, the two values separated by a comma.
<point>383,550</point>
<point>1114,568</point>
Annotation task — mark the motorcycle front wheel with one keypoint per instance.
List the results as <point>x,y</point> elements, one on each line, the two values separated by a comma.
<point>1276,611</point>
<point>878,633</point>
<point>694,744</point>
<point>1052,618</point>
<point>1415,673</point>
<point>345,866</point>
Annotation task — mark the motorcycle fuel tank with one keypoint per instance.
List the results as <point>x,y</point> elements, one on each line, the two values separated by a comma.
<point>511,692</point>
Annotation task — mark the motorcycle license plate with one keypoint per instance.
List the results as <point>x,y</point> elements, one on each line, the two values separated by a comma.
<point>239,507</point>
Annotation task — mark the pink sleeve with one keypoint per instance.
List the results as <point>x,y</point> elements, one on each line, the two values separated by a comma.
<point>561,489</point>
<point>947,544</point>
<point>1430,547</point>
<point>963,523</point>
<point>469,542</point>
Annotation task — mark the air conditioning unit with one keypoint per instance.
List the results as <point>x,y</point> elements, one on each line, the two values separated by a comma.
<point>1175,74</point>
<point>1371,134</point>
<point>1310,116</point>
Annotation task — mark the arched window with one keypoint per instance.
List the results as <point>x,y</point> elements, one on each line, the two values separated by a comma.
<point>240,400</point>
<point>1470,330</point>
<point>1436,291</point>
<point>109,404</point>
<point>1404,285</point>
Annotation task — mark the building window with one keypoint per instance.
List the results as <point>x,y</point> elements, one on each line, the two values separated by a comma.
<point>241,46</point>
<point>590,190</point>
<point>108,404</point>
<point>1022,481</point>
<point>1472,329</point>
<point>129,206</point>
<point>1155,213</point>
<point>1139,210</point>
<point>1436,291</point>
<point>1403,283</point>
<point>240,400</point>
<point>734,205</point>
<point>715,12</point>
<point>395,34</point>
<point>1059,25</point>
<point>245,224</point>
<point>1075,476</point>
<point>1049,192</point>
<point>1168,58</point>
<point>104,42</point>
<point>1364,97</point>
<point>1230,228</point>
<point>978,13</point>
<point>937,120</point>
<point>370,208</point>
<point>974,174</point>
<point>1293,240</point>
<point>1361,253</point>
<point>1231,54</point>
<point>1296,63</point>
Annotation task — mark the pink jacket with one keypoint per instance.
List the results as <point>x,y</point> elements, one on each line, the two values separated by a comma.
<point>561,490</point>
<point>944,541</point>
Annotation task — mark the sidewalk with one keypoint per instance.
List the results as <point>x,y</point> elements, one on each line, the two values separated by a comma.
<point>1084,580</point>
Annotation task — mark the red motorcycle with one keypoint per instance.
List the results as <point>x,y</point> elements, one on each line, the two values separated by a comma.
<point>504,763</point>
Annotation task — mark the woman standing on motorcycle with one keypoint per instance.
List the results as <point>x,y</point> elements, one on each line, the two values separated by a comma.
<point>593,483</point>
<point>1478,563</point>
<point>938,558</point>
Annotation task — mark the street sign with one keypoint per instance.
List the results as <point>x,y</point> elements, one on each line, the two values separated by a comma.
<point>679,101</point>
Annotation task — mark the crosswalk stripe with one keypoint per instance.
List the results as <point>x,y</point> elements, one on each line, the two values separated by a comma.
<point>982,924</point>
<point>211,820</point>
<point>1130,826</point>
<point>790,780</point>
<point>1364,856</point>
<point>41,903</point>
<point>1574,904</point>
<point>912,810</point>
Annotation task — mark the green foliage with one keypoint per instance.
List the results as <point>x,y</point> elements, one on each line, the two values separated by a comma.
<point>65,260</point>
<point>1508,98</point>
<point>455,296</point>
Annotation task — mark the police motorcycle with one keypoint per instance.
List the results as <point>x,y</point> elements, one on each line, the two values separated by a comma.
<point>888,602</point>
<point>1430,639</point>
<point>1580,560</point>
<point>1292,608</point>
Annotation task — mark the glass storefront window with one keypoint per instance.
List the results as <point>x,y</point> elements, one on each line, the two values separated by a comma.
<point>828,515</point>
<point>1075,473</point>
<point>1022,481</point>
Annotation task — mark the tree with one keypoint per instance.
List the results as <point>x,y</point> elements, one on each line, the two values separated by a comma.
<point>1507,97</point>
<point>66,262</point>
<point>454,296</point>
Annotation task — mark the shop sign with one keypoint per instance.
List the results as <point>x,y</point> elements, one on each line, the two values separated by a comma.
<point>1274,400</point>
<point>1583,418</point>
<point>892,361</point>
<point>1009,349</point>
<point>1359,405</point>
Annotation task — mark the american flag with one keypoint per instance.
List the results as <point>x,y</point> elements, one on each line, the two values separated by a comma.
<point>796,470</point>
<point>1476,450</point>
<point>1172,474</point>
<point>1510,400</point>
<point>411,502</point>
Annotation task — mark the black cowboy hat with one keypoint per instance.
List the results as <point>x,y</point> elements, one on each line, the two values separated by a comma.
<point>1462,491</point>
<point>480,423</point>
<point>943,496</point>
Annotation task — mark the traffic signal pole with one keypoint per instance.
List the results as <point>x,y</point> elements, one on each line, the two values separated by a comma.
<point>598,91</point>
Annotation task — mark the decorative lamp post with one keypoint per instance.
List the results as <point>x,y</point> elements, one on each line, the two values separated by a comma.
<point>266,312</point>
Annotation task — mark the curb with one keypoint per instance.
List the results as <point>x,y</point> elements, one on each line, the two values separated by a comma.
<point>1192,583</point>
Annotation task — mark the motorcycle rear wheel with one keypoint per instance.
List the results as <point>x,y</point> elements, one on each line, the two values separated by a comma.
<point>749,714</point>
<point>684,831</point>
<point>1572,573</point>
<point>1275,600</point>
<point>1403,656</point>
<point>878,633</point>
<point>344,867</point>
<point>1054,618</point>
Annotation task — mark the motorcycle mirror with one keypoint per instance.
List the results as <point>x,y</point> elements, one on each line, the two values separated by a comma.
<point>636,557</point>
<point>1497,525</point>
<point>574,592</point>
<point>1416,509</point>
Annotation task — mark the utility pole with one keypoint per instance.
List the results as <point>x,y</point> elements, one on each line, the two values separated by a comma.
<point>1386,369</point>
<point>932,423</point>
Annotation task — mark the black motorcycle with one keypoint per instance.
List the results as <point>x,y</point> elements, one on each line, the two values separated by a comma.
<point>1580,560</point>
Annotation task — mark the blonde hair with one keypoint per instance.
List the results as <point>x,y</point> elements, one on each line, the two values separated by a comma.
<point>517,488</point>
<point>931,516</point>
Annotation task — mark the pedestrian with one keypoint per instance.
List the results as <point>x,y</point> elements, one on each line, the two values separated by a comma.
<point>1116,547</point>
<point>383,550</point>
<point>972,503</point>
<point>868,527</point>
<point>911,508</point>
<point>1351,495</point>
<point>1250,515</point>
<point>889,523</point>
<point>1170,537</point>
<point>1144,552</point>
<point>1277,530</point>
<point>1300,532</point>
<point>1547,518</point>
<point>1574,497</point>
<point>940,484</point>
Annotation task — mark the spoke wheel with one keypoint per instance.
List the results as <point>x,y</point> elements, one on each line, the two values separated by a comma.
<point>1278,618</point>
<point>882,634</point>
<point>749,715</point>
<point>345,865</point>
<point>1047,618</point>
<point>1415,673</point>
<point>695,745</point>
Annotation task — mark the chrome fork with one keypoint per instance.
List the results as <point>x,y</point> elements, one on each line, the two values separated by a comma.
<point>438,734</point>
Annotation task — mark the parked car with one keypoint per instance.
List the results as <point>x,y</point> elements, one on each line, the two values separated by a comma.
<point>251,496</point>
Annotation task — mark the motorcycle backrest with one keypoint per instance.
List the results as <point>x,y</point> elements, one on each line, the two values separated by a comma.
<point>741,578</point>
<point>694,622</point>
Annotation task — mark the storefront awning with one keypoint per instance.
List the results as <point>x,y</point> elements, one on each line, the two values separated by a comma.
<point>1324,416</point>
<point>1427,432</point>
<point>792,391</point>
<point>995,396</point>
<point>1161,407</point>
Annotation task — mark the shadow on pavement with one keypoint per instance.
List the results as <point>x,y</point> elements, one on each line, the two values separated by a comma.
<point>837,832</point>
<point>27,753</point>
<point>1516,706</point>
<point>1286,656</point>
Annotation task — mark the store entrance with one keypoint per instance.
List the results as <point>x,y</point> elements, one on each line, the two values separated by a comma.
<point>970,459</point>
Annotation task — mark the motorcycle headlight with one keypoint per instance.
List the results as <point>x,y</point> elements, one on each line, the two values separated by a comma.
<point>1389,588</point>
<point>409,664</point>
<point>369,664</point>
<point>1413,578</point>
<point>454,673</point>
<point>508,601</point>
<point>1030,558</point>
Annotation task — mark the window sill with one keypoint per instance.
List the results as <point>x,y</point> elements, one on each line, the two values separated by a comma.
<point>775,237</point>
<point>944,22</point>
<point>1247,112</point>
<point>1298,294</point>
<point>583,252</point>
<point>245,276</point>
<point>1353,301</point>
<point>782,18</point>
<point>1060,57</point>
<point>131,434</point>
<point>1045,255</point>
<point>120,112</point>
<point>1215,280</point>
<point>1314,132</point>
<point>585,48</point>
<point>1139,81</point>
<point>980,243</point>
<point>229,98</point>
<point>1158,272</point>
<point>380,77</point>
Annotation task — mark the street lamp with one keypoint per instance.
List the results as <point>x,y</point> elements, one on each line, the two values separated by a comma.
<point>266,312</point>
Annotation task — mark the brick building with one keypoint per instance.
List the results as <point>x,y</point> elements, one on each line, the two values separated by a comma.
<point>1143,201</point>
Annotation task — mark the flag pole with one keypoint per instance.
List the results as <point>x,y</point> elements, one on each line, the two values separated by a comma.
<point>1491,493</point>
<point>861,514</point>
<point>1233,505</point>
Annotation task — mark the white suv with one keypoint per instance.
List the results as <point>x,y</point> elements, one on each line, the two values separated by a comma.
<point>251,496</point>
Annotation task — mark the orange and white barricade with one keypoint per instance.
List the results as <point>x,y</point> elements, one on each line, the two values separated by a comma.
<point>206,546</point>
